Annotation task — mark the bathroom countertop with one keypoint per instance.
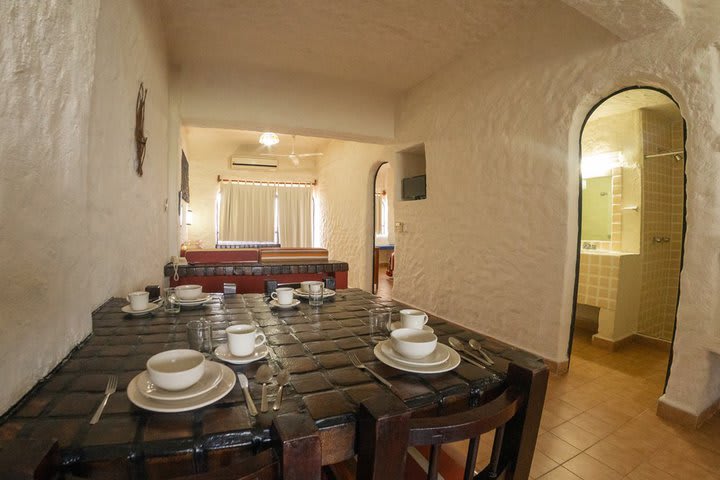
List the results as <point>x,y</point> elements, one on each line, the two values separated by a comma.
<point>613,253</point>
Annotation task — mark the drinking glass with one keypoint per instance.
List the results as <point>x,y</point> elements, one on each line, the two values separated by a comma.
<point>379,321</point>
<point>315,295</point>
<point>199,334</point>
<point>170,302</point>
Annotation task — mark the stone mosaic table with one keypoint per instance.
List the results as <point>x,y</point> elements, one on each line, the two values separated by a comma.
<point>312,343</point>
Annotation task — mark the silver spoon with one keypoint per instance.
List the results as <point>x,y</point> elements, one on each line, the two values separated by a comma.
<point>264,375</point>
<point>476,345</point>
<point>282,379</point>
<point>460,347</point>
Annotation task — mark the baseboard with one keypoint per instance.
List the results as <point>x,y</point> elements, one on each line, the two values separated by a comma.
<point>668,411</point>
<point>658,343</point>
<point>558,368</point>
<point>611,345</point>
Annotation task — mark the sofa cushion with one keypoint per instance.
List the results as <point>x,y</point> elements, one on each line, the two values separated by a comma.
<point>290,255</point>
<point>222,255</point>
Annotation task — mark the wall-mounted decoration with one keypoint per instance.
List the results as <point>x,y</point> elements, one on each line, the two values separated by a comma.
<point>140,138</point>
<point>185,178</point>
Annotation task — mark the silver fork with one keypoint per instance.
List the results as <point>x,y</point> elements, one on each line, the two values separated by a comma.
<point>109,390</point>
<point>358,364</point>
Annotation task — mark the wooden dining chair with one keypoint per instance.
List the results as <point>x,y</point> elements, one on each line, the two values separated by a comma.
<point>295,454</point>
<point>386,430</point>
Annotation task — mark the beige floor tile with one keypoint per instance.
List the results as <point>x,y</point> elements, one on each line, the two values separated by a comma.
<point>575,436</point>
<point>562,409</point>
<point>622,459</point>
<point>588,468</point>
<point>560,473</point>
<point>678,465</point>
<point>549,420</point>
<point>589,422</point>
<point>645,471</point>
<point>556,448</point>
<point>541,465</point>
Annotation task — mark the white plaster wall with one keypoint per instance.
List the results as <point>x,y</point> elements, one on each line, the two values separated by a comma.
<point>502,165</point>
<point>47,52</point>
<point>343,196</point>
<point>127,218</point>
<point>207,164</point>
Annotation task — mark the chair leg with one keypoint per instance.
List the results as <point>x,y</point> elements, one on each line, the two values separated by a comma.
<point>496,449</point>
<point>471,458</point>
<point>433,462</point>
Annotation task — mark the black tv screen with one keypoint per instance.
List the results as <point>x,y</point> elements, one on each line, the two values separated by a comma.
<point>413,188</point>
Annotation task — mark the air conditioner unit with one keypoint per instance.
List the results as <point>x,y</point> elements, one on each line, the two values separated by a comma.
<point>238,162</point>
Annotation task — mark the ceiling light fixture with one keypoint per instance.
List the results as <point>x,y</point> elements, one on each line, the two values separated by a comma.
<point>269,139</point>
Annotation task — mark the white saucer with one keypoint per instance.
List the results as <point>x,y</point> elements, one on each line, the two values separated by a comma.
<point>224,354</point>
<point>211,377</point>
<point>327,293</point>
<point>192,303</point>
<point>274,304</point>
<point>396,325</point>
<point>227,382</point>
<point>137,313</point>
<point>435,358</point>
<point>452,361</point>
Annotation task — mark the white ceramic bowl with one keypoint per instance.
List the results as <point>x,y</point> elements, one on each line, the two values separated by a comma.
<point>176,369</point>
<point>188,292</point>
<point>413,343</point>
<point>305,286</point>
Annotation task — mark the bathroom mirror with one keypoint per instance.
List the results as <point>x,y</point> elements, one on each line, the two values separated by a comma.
<point>596,208</point>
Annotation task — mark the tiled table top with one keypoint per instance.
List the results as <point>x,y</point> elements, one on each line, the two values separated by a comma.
<point>311,342</point>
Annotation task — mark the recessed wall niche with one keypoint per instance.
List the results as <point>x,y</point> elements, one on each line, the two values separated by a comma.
<point>411,180</point>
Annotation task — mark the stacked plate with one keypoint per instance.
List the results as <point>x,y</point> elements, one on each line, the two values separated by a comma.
<point>327,293</point>
<point>196,302</point>
<point>442,359</point>
<point>216,382</point>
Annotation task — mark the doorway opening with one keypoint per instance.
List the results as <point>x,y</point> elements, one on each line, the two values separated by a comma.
<point>383,233</point>
<point>632,227</point>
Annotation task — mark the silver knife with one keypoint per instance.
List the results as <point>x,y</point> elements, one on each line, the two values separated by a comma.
<point>248,399</point>
<point>471,361</point>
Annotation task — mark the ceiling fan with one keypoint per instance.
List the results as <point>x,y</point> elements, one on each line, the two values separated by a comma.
<point>294,157</point>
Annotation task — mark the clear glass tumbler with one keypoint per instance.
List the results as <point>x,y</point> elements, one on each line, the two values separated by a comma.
<point>379,320</point>
<point>170,302</point>
<point>199,334</point>
<point>315,295</point>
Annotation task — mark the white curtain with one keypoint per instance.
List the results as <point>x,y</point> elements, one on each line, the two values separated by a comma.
<point>247,212</point>
<point>295,216</point>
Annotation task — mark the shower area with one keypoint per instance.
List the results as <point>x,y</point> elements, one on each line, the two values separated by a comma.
<point>633,200</point>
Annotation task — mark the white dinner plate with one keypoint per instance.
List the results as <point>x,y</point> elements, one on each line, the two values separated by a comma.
<point>274,304</point>
<point>223,353</point>
<point>151,307</point>
<point>452,362</point>
<point>192,303</point>
<point>327,293</point>
<point>396,325</point>
<point>435,358</point>
<point>227,382</point>
<point>209,380</point>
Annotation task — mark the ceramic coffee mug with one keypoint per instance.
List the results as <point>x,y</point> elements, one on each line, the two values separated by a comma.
<point>138,300</point>
<point>244,339</point>
<point>283,295</point>
<point>413,319</point>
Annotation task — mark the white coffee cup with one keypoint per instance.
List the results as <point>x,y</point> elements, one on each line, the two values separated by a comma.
<point>244,339</point>
<point>305,286</point>
<point>283,295</point>
<point>138,300</point>
<point>413,319</point>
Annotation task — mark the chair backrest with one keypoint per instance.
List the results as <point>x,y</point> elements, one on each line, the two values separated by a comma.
<point>386,430</point>
<point>468,424</point>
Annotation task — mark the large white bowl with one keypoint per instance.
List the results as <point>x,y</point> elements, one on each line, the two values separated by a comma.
<point>413,343</point>
<point>188,292</point>
<point>305,286</point>
<point>176,369</point>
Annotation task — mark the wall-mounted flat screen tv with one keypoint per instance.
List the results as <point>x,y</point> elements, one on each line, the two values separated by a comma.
<point>413,188</point>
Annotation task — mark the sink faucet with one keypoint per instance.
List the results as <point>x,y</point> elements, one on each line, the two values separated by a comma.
<point>589,246</point>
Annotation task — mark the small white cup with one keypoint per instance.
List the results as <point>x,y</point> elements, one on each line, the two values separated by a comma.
<point>283,295</point>
<point>413,319</point>
<point>243,339</point>
<point>305,286</point>
<point>138,300</point>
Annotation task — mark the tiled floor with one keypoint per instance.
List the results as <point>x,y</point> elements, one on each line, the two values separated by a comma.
<point>599,423</point>
<point>385,284</point>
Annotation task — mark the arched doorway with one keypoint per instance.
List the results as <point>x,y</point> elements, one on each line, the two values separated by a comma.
<point>383,240</point>
<point>631,239</point>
